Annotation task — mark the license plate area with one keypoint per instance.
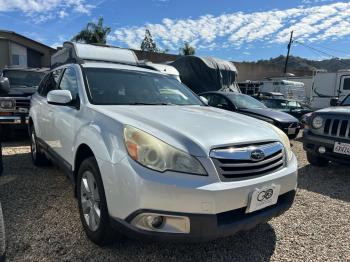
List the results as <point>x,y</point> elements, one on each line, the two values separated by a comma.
<point>263,197</point>
<point>342,148</point>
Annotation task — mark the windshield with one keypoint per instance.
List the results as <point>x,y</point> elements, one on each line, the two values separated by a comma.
<point>121,87</point>
<point>246,102</point>
<point>23,79</point>
<point>346,101</point>
<point>277,104</point>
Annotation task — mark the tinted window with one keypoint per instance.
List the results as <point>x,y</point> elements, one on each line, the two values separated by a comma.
<point>69,82</point>
<point>245,101</point>
<point>278,104</point>
<point>346,101</point>
<point>218,101</point>
<point>346,85</point>
<point>51,82</point>
<point>121,87</point>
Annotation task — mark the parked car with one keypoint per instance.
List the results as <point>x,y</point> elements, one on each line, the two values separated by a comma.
<point>16,87</point>
<point>247,105</point>
<point>291,107</point>
<point>148,167</point>
<point>327,137</point>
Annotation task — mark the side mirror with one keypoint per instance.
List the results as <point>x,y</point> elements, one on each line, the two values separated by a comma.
<point>59,97</point>
<point>334,102</point>
<point>4,84</point>
<point>204,100</point>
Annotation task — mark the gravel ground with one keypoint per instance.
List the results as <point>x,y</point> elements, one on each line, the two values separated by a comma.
<point>42,222</point>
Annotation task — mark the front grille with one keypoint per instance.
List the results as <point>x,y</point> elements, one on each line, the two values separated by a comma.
<point>337,128</point>
<point>236,163</point>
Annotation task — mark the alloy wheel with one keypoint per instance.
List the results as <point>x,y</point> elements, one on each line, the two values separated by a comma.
<point>90,201</point>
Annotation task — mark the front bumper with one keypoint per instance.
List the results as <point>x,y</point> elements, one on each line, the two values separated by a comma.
<point>312,142</point>
<point>131,188</point>
<point>205,227</point>
<point>13,120</point>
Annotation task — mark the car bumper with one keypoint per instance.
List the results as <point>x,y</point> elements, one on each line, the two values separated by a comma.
<point>14,120</point>
<point>312,143</point>
<point>131,188</point>
<point>205,227</point>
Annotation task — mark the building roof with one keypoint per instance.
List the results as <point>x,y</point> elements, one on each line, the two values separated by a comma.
<point>24,37</point>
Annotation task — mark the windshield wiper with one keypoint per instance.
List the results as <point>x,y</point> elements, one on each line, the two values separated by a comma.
<point>152,104</point>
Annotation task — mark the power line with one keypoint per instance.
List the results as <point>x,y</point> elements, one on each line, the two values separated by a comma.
<point>334,50</point>
<point>315,49</point>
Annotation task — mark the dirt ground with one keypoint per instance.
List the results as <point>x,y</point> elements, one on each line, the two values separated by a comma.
<point>42,221</point>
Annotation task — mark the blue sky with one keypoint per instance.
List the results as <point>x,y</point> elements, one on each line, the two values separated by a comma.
<point>231,29</point>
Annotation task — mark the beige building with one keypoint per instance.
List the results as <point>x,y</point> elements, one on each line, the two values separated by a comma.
<point>18,50</point>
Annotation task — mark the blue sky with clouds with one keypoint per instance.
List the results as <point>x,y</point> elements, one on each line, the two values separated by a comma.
<point>232,29</point>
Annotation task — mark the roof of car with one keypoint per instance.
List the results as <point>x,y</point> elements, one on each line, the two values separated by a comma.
<point>43,70</point>
<point>120,67</point>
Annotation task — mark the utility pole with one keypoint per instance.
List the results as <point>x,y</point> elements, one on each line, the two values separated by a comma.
<point>289,46</point>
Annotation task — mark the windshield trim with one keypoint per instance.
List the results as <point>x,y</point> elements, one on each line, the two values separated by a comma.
<point>89,95</point>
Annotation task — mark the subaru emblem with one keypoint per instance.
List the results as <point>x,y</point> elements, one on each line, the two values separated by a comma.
<point>257,155</point>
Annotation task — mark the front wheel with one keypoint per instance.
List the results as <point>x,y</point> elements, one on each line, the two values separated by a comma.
<point>316,160</point>
<point>38,157</point>
<point>92,203</point>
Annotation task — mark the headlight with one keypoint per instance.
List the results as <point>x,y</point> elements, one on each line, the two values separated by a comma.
<point>7,104</point>
<point>286,143</point>
<point>317,122</point>
<point>157,155</point>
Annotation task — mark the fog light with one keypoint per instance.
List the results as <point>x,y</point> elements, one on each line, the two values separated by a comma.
<point>155,221</point>
<point>322,150</point>
<point>162,223</point>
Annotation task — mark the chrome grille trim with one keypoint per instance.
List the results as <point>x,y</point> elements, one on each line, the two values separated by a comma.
<point>235,163</point>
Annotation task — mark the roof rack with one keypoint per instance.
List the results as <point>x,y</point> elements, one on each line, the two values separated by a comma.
<point>78,53</point>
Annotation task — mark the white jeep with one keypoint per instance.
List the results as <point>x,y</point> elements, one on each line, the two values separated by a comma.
<point>148,158</point>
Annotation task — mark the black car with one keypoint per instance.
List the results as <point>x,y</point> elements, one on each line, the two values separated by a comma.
<point>248,105</point>
<point>292,107</point>
<point>16,87</point>
<point>327,135</point>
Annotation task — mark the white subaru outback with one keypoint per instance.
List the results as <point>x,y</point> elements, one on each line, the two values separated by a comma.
<point>148,158</point>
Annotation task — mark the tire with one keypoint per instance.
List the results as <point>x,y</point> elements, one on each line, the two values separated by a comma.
<point>2,237</point>
<point>92,202</point>
<point>315,160</point>
<point>38,157</point>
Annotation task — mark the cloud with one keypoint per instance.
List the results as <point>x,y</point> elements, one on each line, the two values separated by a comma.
<point>42,10</point>
<point>316,23</point>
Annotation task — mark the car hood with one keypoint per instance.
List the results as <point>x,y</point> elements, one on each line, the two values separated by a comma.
<point>270,113</point>
<point>335,110</point>
<point>193,129</point>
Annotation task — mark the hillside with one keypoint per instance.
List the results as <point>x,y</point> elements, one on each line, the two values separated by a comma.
<point>299,63</point>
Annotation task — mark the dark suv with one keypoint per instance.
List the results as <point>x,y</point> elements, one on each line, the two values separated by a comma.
<point>16,87</point>
<point>327,137</point>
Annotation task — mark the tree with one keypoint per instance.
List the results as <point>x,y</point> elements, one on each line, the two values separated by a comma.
<point>93,33</point>
<point>148,43</point>
<point>187,49</point>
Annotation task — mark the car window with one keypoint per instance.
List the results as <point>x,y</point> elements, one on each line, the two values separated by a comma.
<point>51,82</point>
<point>122,87</point>
<point>69,82</point>
<point>277,104</point>
<point>346,101</point>
<point>346,85</point>
<point>245,101</point>
<point>292,104</point>
<point>218,101</point>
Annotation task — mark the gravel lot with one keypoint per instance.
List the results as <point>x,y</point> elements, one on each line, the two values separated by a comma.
<point>42,221</point>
